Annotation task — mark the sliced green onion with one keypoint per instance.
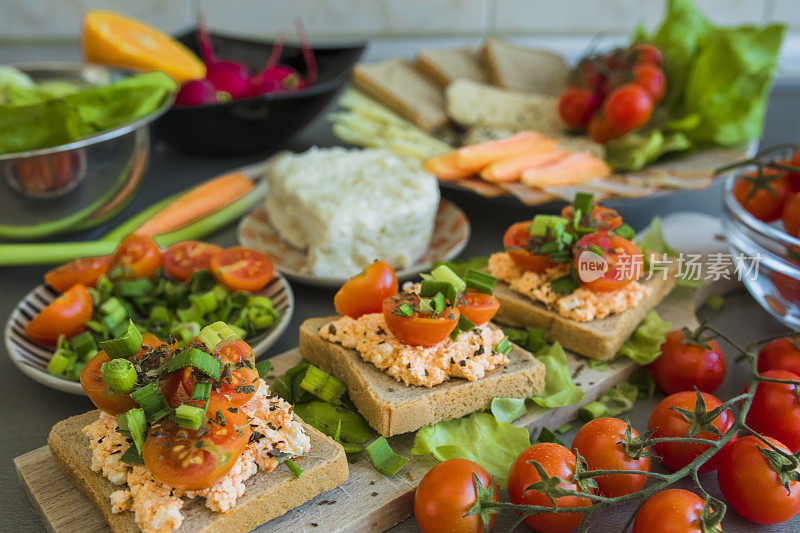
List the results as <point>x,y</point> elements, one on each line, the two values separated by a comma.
<point>626,232</point>
<point>541,224</point>
<point>564,285</point>
<point>113,312</point>
<point>715,302</point>
<point>132,456</point>
<point>189,416</point>
<point>185,331</point>
<point>205,302</point>
<point>241,333</point>
<point>201,390</point>
<point>465,324</point>
<point>241,299</point>
<point>261,317</point>
<point>294,469</point>
<point>593,410</point>
<point>119,375</point>
<point>104,288</point>
<point>83,344</point>
<point>404,310</point>
<point>152,401</point>
<point>547,435</point>
<point>384,458</point>
<point>596,250</point>
<point>135,425</point>
<point>563,429</point>
<point>75,372</point>
<point>439,303</point>
<point>504,346</point>
<point>217,335</point>
<point>189,314</point>
<point>426,305</point>
<point>127,345</point>
<point>160,313</point>
<point>133,288</point>
<point>263,368</point>
<point>322,385</point>
<point>480,281</point>
<point>583,202</point>
<point>96,326</point>
<point>455,333</point>
<point>444,273</point>
<point>429,288</point>
<point>61,359</point>
<point>198,359</point>
<point>116,273</point>
<point>202,281</point>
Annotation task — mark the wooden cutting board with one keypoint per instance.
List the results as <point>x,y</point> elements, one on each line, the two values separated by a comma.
<point>368,501</point>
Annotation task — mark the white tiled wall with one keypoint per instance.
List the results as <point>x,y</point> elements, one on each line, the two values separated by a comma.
<point>332,19</point>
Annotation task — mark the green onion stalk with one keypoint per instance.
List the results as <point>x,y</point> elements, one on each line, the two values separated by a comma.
<point>636,447</point>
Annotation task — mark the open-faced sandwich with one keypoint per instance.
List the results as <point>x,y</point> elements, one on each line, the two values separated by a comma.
<point>578,276</point>
<point>190,438</point>
<point>422,355</point>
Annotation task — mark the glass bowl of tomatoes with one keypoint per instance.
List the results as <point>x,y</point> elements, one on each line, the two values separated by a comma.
<point>761,221</point>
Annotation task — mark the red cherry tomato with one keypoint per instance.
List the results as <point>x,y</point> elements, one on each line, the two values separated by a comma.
<point>623,260</point>
<point>598,441</point>
<point>627,108</point>
<point>790,214</point>
<point>763,197</point>
<point>480,308</point>
<point>576,106</point>
<point>419,329</point>
<point>446,494</point>
<point>365,292</point>
<point>780,354</point>
<point>237,385</point>
<point>672,511</point>
<point>242,269</point>
<point>556,461</point>
<point>516,241</point>
<point>66,315</point>
<point>647,53</point>
<point>589,75</point>
<point>84,271</point>
<point>682,366</point>
<point>752,488</point>
<point>183,259</point>
<point>652,79</point>
<point>600,129</point>
<point>602,218</point>
<point>138,256</point>
<point>775,411</point>
<point>794,177</point>
<point>669,423</point>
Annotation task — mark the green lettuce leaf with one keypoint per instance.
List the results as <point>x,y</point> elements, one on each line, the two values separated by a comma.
<point>616,401</point>
<point>559,389</point>
<point>478,437</point>
<point>508,409</point>
<point>531,339</point>
<point>653,242</point>
<point>642,379</point>
<point>644,345</point>
<point>637,149</point>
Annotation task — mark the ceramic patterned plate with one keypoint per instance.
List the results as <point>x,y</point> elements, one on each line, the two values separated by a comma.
<point>32,358</point>
<point>450,235</point>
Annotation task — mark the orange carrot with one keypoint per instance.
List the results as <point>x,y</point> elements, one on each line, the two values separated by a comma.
<point>199,202</point>
<point>511,168</point>
<point>446,167</point>
<point>574,169</point>
<point>480,155</point>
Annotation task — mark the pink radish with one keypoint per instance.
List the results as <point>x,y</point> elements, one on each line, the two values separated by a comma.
<point>281,78</point>
<point>231,77</point>
<point>196,92</point>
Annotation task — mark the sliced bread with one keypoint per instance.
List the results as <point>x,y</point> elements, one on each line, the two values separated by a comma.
<point>597,339</point>
<point>399,86</point>
<point>268,495</point>
<point>444,65</point>
<point>525,69</point>
<point>392,408</point>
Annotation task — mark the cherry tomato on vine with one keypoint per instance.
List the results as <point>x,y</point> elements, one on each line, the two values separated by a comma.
<point>627,108</point>
<point>600,130</point>
<point>762,196</point>
<point>682,365</point>
<point>794,177</point>
<point>647,53</point>
<point>418,329</point>
<point>516,241</point>
<point>138,256</point>
<point>576,106</point>
<point>480,308</point>
<point>556,461</point>
<point>623,260</point>
<point>671,510</point>
<point>66,315</point>
<point>446,494</point>
<point>84,271</point>
<point>365,292</point>
<point>775,411</point>
<point>790,214</point>
<point>651,78</point>
<point>780,354</point>
<point>669,423</point>
<point>598,441</point>
<point>752,488</point>
<point>589,75</point>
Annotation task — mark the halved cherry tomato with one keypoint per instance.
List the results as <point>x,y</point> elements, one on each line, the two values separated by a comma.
<point>623,260</point>
<point>763,196</point>
<point>84,271</point>
<point>419,329</point>
<point>602,218</point>
<point>516,241</point>
<point>138,255</point>
<point>365,292</point>
<point>186,460</point>
<point>183,259</point>
<point>239,382</point>
<point>480,308</point>
<point>242,269</point>
<point>64,316</point>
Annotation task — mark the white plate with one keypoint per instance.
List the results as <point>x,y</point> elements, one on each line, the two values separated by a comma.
<point>32,358</point>
<point>450,235</point>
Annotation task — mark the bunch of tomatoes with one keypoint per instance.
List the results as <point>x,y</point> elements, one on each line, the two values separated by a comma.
<point>615,93</point>
<point>690,368</point>
<point>772,193</point>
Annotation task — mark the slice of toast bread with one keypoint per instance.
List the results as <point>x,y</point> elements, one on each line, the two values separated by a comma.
<point>525,69</point>
<point>596,339</point>
<point>391,407</point>
<point>268,495</point>
<point>399,86</point>
<point>443,65</point>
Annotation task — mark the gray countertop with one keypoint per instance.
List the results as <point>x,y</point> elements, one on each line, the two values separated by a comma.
<point>31,409</point>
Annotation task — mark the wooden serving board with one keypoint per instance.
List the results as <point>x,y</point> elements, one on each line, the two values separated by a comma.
<point>368,501</point>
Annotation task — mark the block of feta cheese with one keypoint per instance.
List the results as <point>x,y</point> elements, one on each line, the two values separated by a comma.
<point>349,207</point>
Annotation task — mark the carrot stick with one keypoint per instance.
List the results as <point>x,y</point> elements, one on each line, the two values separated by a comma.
<point>197,203</point>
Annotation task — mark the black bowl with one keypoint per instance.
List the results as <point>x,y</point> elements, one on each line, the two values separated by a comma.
<point>258,123</point>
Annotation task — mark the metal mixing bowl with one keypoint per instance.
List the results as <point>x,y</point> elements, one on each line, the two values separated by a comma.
<point>77,185</point>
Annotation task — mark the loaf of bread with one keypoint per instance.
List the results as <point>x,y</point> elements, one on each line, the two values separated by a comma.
<point>445,65</point>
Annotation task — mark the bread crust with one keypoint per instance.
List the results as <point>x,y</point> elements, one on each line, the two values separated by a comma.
<point>392,408</point>
<point>268,495</point>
